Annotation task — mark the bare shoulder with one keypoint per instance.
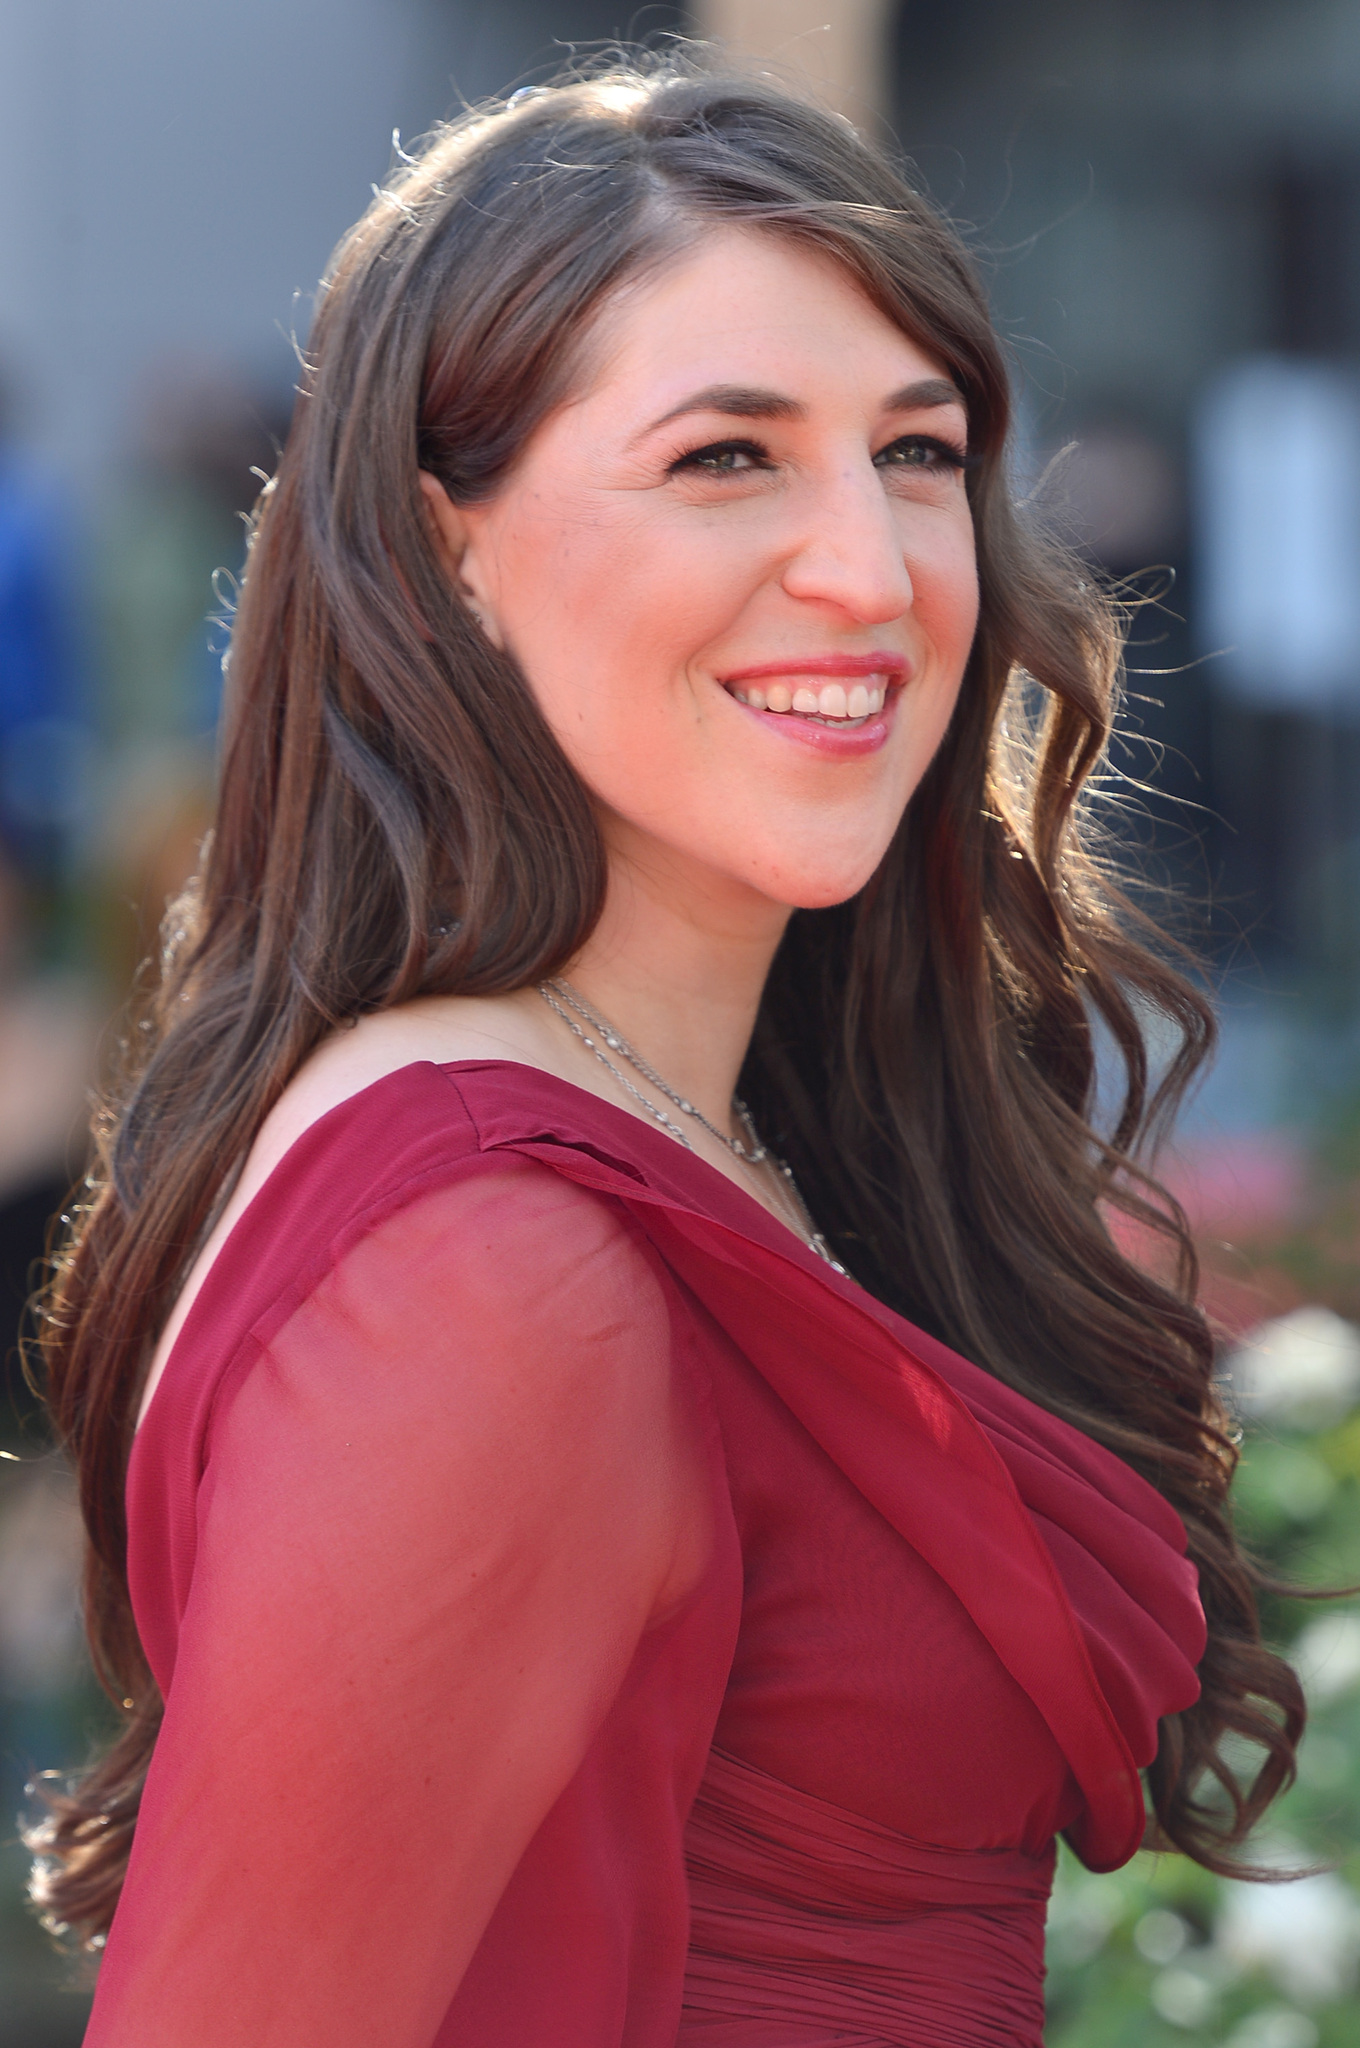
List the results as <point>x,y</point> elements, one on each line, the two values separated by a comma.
<point>438,1028</point>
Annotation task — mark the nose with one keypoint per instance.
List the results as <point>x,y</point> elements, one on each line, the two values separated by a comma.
<point>850,552</point>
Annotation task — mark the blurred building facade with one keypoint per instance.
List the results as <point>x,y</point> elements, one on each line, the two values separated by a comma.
<point>186,171</point>
<point>1168,200</point>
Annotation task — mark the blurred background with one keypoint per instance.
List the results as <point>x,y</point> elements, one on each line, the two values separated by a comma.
<point>1165,197</point>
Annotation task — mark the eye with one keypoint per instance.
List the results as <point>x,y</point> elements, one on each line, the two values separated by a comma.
<point>922,452</point>
<point>722,458</point>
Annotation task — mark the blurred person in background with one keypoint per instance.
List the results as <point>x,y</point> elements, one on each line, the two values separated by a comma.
<point>43,741</point>
<point>46,1021</point>
<point>571,1573</point>
<point>169,558</point>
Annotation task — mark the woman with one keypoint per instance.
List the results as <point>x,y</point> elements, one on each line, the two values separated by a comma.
<point>656,1495</point>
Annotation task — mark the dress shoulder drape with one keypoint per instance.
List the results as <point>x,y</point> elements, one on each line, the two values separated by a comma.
<point>922,1627</point>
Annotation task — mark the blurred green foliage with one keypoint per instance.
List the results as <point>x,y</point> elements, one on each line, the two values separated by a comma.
<point>1161,1954</point>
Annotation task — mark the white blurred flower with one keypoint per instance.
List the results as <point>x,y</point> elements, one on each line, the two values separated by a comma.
<point>1305,1933</point>
<point>1274,2026</point>
<point>1184,1999</point>
<point>1160,1936</point>
<point>1302,1369</point>
<point>1326,1656</point>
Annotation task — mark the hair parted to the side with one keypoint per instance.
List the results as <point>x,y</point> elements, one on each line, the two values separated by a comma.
<point>396,819</point>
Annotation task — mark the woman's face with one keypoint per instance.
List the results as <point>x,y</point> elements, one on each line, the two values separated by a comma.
<point>738,571</point>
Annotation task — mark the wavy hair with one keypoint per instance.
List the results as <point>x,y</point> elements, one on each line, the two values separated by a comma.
<point>396,819</point>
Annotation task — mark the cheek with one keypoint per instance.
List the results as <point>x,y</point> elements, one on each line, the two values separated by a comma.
<point>966,599</point>
<point>606,614</point>
<point>942,561</point>
<point>946,604</point>
<point>588,594</point>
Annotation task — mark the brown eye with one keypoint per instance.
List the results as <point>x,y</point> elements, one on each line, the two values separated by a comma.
<point>923,452</point>
<point>722,458</point>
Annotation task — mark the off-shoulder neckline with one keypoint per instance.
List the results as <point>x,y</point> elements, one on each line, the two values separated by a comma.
<point>647,1155</point>
<point>663,1160</point>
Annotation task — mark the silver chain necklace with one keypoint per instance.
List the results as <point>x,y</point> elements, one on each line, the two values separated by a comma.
<point>561,997</point>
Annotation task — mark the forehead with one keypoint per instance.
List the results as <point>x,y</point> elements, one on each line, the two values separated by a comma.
<point>741,305</point>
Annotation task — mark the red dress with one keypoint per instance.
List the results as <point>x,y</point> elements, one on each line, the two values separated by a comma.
<point>926,1626</point>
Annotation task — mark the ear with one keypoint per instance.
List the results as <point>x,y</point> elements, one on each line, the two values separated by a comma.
<point>452,535</point>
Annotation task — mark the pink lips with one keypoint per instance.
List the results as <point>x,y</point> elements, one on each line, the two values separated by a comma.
<point>895,667</point>
<point>826,738</point>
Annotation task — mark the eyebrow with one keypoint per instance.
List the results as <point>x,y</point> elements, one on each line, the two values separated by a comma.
<point>748,402</point>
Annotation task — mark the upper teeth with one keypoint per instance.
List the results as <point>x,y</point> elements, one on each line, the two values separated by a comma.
<point>832,700</point>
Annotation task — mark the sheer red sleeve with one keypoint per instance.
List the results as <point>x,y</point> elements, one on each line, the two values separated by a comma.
<point>438,1512</point>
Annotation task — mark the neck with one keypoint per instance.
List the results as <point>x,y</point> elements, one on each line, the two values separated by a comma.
<point>679,970</point>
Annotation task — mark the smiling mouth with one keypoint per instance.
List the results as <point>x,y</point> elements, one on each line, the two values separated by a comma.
<point>826,704</point>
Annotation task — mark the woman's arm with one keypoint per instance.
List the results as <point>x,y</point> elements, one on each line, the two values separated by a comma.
<point>437,1517</point>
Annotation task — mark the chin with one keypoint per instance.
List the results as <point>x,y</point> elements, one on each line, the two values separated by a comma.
<point>833,865</point>
<point>827,899</point>
<point>824,890</point>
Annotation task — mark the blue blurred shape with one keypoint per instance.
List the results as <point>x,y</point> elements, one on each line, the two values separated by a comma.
<point>44,748</point>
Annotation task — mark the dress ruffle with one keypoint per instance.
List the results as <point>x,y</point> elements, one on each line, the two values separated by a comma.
<point>1071,1564</point>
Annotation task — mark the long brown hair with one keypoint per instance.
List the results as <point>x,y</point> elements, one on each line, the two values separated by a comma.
<point>396,819</point>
